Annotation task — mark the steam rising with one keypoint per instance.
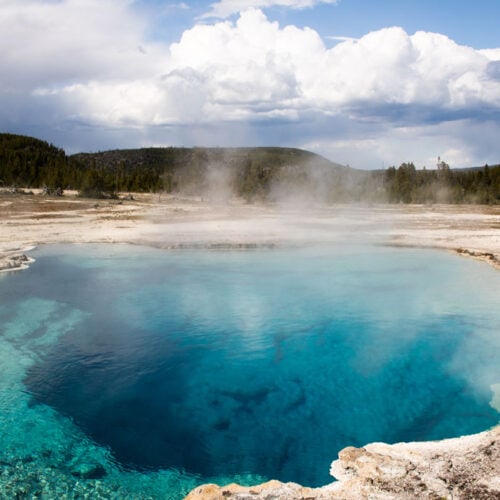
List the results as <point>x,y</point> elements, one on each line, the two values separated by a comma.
<point>279,176</point>
<point>220,181</point>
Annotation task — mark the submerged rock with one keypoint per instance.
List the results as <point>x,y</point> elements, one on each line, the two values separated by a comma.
<point>85,470</point>
<point>460,468</point>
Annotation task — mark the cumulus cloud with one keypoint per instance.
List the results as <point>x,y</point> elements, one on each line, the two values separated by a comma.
<point>226,8</point>
<point>48,43</point>
<point>89,62</point>
<point>290,69</point>
<point>255,70</point>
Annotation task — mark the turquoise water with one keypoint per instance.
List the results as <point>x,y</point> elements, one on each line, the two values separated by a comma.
<point>132,371</point>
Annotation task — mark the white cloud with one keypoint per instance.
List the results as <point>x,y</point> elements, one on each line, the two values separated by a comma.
<point>180,6</point>
<point>291,68</point>
<point>460,143</point>
<point>491,54</point>
<point>89,62</point>
<point>176,100</point>
<point>226,8</point>
<point>336,38</point>
<point>47,43</point>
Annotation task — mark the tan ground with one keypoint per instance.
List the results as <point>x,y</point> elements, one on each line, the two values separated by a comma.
<point>169,222</point>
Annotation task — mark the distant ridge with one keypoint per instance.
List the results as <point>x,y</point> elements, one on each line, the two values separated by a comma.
<point>247,172</point>
<point>255,174</point>
<point>177,156</point>
<point>474,169</point>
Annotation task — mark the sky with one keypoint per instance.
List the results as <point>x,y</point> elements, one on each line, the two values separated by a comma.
<point>365,83</point>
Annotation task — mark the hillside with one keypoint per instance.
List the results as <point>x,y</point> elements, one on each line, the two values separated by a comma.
<point>264,173</point>
<point>215,173</point>
<point>29,162</point>
<point>253,173</point>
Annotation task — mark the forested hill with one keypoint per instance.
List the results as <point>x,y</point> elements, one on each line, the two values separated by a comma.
<point>247,172</point>
<point>29,162</point>
<point>253,173</point>
<point>271,174</point>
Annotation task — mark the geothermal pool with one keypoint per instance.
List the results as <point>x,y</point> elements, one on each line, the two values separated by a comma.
<point>149,371</point>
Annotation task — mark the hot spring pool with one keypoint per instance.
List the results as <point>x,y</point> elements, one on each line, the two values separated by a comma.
<point>149,372</point>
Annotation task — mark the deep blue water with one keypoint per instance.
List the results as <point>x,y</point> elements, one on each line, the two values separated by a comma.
<point>264,363</point>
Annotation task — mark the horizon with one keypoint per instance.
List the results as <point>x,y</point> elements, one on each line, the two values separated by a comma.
<point>334,163</point>
<point>364,85</point>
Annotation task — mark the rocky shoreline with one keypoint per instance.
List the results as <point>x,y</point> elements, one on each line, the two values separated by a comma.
<point>20,261</point>
<point>488,257</point>
<point>14,262</point>
<point>465,468</point>
<point>172,222</point>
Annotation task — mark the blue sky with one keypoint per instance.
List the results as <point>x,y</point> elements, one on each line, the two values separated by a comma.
<point>365,83</point>
<point>466,22</point>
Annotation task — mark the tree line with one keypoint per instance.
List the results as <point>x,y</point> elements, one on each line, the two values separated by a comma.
<point>406,184</point>
<point>251,173</point>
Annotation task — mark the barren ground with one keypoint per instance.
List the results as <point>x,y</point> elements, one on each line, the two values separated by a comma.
<point>167,221</point>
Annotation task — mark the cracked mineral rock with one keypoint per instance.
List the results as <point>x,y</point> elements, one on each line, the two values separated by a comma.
<point>462,468</point>
<point>14,262</point>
